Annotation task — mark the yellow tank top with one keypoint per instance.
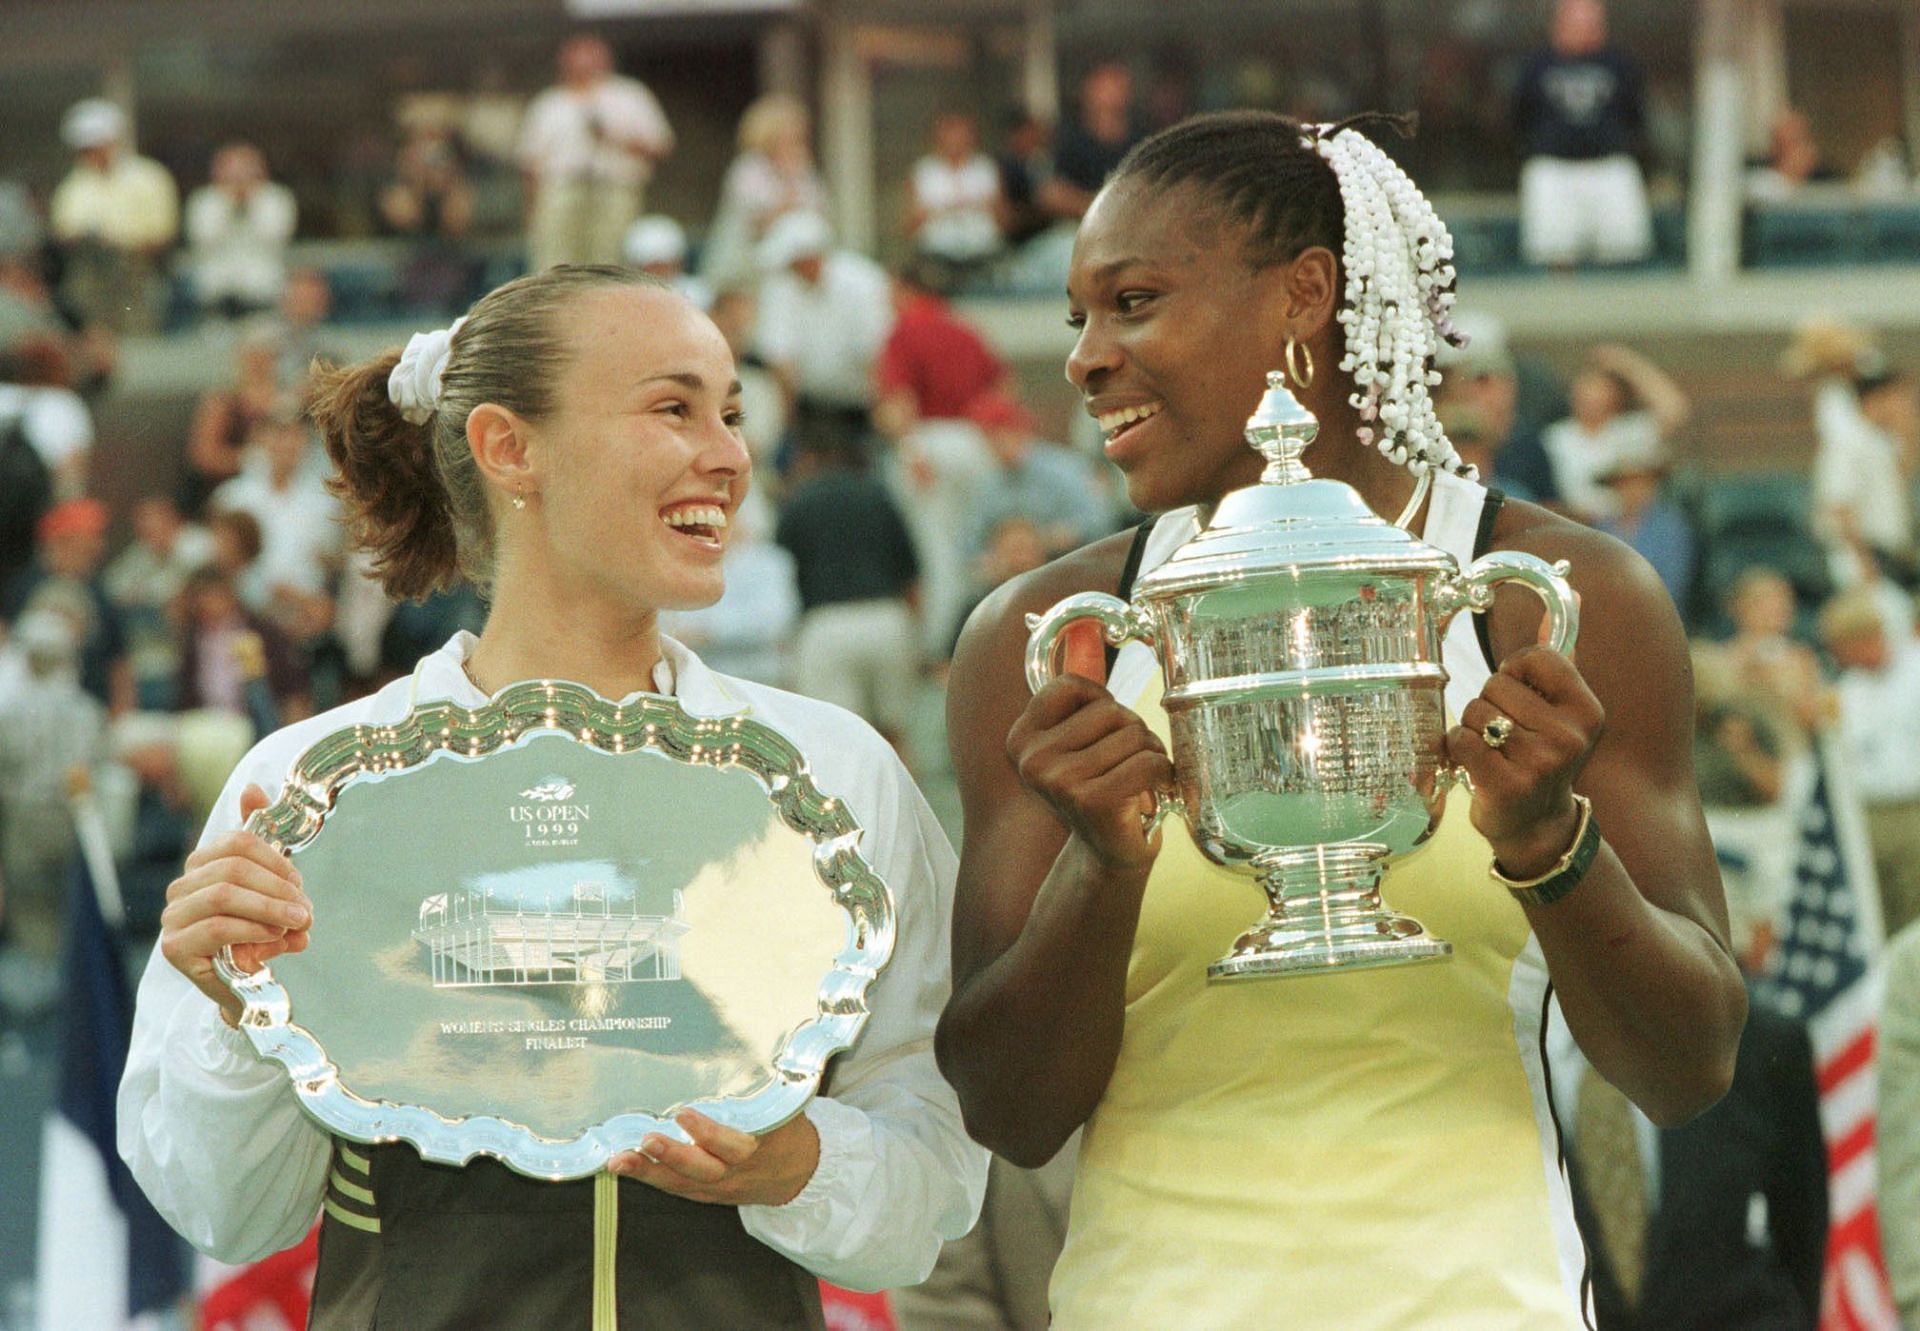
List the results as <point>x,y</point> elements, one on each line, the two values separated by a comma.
<point>1369,1149</point>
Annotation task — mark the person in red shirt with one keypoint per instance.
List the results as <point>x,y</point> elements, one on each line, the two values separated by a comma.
<point>933,363</point>
<point>932,367</point>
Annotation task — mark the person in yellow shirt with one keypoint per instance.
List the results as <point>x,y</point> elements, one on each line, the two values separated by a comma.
<point>1364,1149</point>
<point>114,217</point>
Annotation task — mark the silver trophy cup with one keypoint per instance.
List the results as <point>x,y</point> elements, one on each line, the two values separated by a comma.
<point>1299,637</point>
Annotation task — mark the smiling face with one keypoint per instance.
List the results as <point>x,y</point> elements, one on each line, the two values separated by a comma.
<point>1176,335</point>
<point>640,465</point>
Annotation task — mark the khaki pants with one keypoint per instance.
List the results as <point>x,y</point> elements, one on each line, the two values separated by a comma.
<point>580,221</point>
<point>995,1278</point>
<point>1895,831</point>
<point>863,656</point>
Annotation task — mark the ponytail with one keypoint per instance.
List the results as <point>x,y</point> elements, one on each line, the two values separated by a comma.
<point>386,472</point>
<point>414,494</point>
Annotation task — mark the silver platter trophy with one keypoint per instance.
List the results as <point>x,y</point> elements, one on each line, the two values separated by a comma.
<point>1299,639</point>
<point>544,925</point>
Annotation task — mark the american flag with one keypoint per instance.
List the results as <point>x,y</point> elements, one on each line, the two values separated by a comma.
<point>1825,971</point>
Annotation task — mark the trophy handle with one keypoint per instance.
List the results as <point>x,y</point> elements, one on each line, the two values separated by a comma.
<point>1165,803</point>
<point>1119,620</point>
<point>223,967</point>
<point>1473,590</point>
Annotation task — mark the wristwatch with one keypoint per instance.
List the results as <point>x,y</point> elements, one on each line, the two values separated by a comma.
<point>1565,875</point>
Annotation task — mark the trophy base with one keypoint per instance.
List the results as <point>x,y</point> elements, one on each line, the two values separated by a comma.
<point>1327,916</point>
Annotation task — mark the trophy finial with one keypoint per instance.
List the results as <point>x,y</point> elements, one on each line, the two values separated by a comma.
<point>1280,430</point>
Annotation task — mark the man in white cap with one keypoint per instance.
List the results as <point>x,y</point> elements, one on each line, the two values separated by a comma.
<point>588,147</point>
<point>657,246</point>
<point>824,315</point>
<point>114,216</point>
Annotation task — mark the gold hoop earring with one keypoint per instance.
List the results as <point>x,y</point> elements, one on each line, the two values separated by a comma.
<point>519,501</point>
<point>1301,378</point>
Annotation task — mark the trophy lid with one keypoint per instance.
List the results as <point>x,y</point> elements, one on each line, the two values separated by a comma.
<point>1289,520</point>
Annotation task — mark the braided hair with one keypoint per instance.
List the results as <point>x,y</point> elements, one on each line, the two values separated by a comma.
<point>1292,186</point>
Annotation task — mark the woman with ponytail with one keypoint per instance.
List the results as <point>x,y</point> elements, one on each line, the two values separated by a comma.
<point>572,446</point>
<point>1362,1150</point>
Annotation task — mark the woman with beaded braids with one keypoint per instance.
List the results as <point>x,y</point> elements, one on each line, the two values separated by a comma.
<point>1359,1150</point>
<point>573,447</point>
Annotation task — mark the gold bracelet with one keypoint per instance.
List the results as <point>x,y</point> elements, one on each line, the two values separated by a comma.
<point>1566,873</point>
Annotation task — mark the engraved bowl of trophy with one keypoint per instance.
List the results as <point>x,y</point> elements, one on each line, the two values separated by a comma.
<point>1298,636</point>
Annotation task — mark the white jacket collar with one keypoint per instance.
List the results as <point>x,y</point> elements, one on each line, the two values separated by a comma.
<point>679,674</point>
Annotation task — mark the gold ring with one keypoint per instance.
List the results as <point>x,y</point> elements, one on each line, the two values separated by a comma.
<point>1497,732</point>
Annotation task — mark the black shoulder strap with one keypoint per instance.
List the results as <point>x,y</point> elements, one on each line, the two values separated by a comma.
<point>1128,572</point>
<point>1482,538</point>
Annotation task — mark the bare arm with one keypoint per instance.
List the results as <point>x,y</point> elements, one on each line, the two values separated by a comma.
<point>1044,917</point>
<point>1638,951</point>
<point>207,447</point>
<point>1657,389</point>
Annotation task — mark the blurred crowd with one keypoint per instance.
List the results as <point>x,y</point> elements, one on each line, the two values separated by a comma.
<point>901,475</point>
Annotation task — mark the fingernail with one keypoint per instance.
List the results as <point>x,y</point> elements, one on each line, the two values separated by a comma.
<point>295,916</point>
<point>652,1144</point>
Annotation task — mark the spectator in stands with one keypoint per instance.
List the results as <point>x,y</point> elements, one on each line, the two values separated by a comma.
<point>657,245</point>
<point>1026,166</point>
<point>772,175</point>
<point>238,228</point>
<point>65,577</point>
<point>20,229</point>
<point>37,399</point>
<point>1771,667</point>
<point>228,655</point>
<point>1046,483</point>
<point>748,630</point>
<point>26,493</point>
<point>1878,730</point>
<point>1861,510</point>
<point>305,307</point>
<point>858,574</point>
<point>934,363</point>
<point>48,728</point>
<point>588,148</point>
<point>1898,1123</point>
<point>26,309</point>
<point>227,417</point>
<point>932,368</point>
<point>1793,160</point>
<point>1746,763</point>
<point>1578,109</point>
<point>1862,469</point>
<point>763,403</point>
<point>1011,547</point>
<point>1890,403</point>
<point>1643,517</point>
<point>429,201</point>
<point>1619,403</point>
<point>1480,396</point>
<point>953,202</point>
<point>113,217</point>
<point>1090,146</point>
<point>301,538</point>
<point>144,582</point>
<point>824,314</point>
<point>237,543</point>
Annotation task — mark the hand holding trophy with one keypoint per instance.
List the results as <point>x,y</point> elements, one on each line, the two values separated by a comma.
<point>1299,635</point>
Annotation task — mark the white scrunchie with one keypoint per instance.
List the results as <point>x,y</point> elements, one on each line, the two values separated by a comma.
<point>414,385</point>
